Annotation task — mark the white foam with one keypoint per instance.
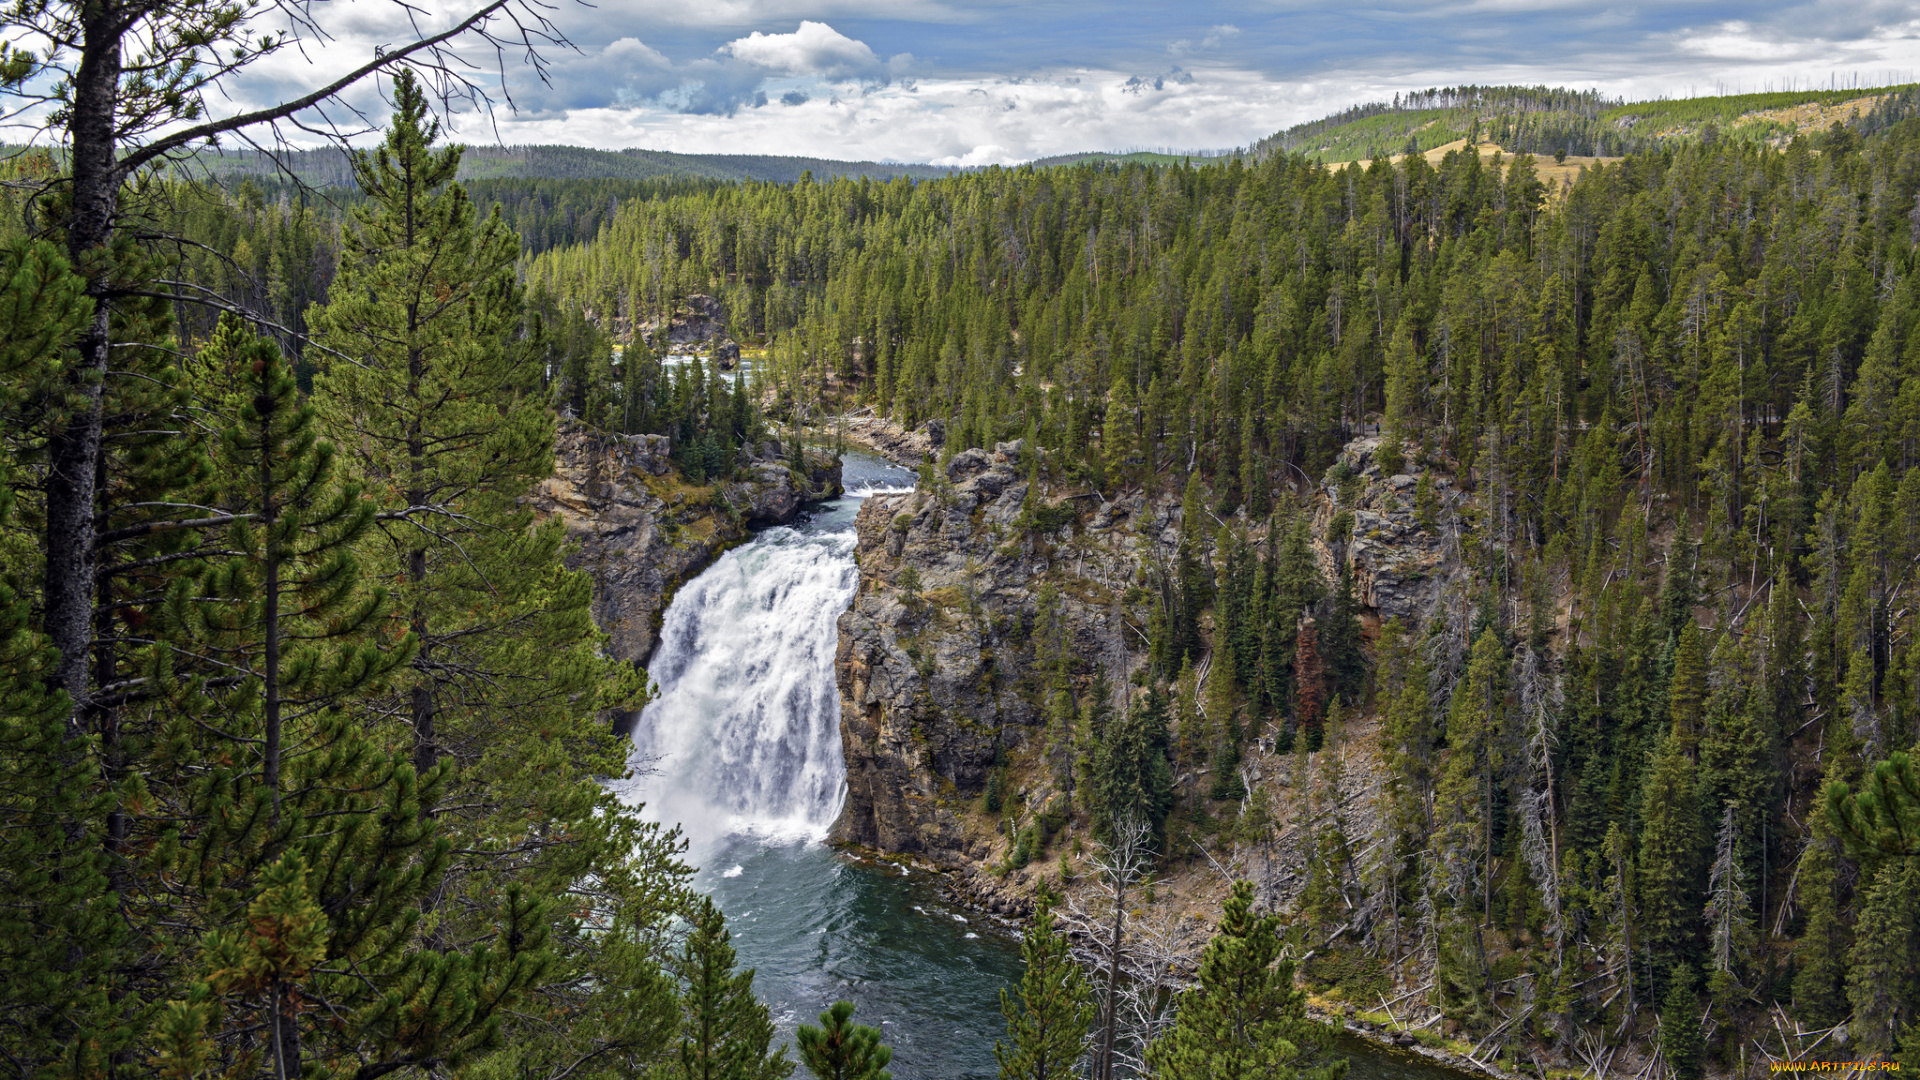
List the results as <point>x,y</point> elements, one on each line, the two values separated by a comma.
<point>744,738</point>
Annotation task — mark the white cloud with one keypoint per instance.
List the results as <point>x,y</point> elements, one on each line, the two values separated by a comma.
<point>1214,38</point>
<point>965,122</point>
<point>814,49</point>
<point>805,80</point>
<point>1737,41</point>
<point>746,13</point>
<point>1219,36</point>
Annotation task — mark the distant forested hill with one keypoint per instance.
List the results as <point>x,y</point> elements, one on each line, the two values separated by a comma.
<point>328,167</point>
<point>1547,120</point>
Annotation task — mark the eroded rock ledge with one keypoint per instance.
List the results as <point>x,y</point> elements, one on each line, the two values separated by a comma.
<point>933,680</point>
<point>641,530</point>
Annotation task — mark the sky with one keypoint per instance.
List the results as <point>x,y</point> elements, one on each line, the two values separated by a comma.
<point>978,82</point>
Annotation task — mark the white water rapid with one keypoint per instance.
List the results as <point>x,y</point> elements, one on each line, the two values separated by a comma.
<point>745,735</point>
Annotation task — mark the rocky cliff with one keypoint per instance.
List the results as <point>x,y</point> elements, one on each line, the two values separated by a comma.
<point>936,653</point>
<point>934,674</point>
<point>641,530</point>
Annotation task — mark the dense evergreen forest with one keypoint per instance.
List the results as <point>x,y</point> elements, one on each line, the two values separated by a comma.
<point>316,783</point>
<point>310,784</point>
<point>1651,775</point>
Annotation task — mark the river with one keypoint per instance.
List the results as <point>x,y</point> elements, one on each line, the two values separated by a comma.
<point>742,749</point>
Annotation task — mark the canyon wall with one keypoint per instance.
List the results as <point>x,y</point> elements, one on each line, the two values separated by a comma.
<point>937,654</point>
<point>640,530</point>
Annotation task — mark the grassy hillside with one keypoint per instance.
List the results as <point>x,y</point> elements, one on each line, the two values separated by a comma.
<point>1540,120</point>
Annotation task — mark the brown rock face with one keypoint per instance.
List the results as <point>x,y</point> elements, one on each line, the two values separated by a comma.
<point>640,532</point>
<point>1400,568</point>
<point>933,681</point>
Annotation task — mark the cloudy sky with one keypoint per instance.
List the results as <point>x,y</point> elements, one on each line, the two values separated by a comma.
<point>996,81</point>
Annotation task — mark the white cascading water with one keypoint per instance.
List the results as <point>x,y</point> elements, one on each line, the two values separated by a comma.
<point>745,735</point>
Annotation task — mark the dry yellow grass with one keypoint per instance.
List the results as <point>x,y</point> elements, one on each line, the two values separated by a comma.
<point>1554,174</point>
<point>1812,116</point>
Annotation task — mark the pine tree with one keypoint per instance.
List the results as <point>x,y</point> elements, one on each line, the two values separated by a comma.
<point>1880,825</point>
<point>1680,1039</point>
<point>1254,482</point>
<point>1688,688</point>
<point>434,393</point>
<point>1464,792</point>
<point>1243,1019</point>
<point>1882,820</point>
<point>1403,389</point>
<point>1340,641</point>
<point>1120,439</point>
<point>725,1033</point>
<point>436,401</point>
<point>1129,774</point>
<point>288,610</point>
<point>1047,1023</point>
<point>1821,953</point>
<point>1670,865</point>
<point>1883,980</point>
<point>1190,584</point>
<point>840,1049</point>
<point>60,930</point>
<point>1223,725</point>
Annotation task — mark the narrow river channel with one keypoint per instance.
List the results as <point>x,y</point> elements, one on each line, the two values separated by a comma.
<point>742,750</point>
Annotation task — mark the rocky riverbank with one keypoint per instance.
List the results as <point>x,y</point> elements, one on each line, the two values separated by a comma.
<point>893,442</point>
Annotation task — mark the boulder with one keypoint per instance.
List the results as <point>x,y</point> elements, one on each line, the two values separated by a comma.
<point>966,463</point>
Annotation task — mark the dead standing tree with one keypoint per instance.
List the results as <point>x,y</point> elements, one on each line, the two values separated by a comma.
<point>1123,865</point>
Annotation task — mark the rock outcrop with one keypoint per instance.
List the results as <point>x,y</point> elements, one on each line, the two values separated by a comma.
<point>702,318</point>
<point>1400,565</point>
<point>936,660</point>
<point>640,531</point>
<point>909,448</point>
<point>935,680</point>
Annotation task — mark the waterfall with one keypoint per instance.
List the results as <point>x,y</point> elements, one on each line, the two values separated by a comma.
<point>744,737</point>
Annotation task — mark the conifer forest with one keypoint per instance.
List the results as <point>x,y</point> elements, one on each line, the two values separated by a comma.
<point>305,739</point>
<point>1650,771</point>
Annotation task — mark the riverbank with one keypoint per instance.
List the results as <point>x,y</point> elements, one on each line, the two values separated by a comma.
<point>893,442</point>
<point>969,594</point>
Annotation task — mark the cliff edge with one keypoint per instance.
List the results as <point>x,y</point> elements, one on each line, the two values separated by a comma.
<point>640,529</point>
